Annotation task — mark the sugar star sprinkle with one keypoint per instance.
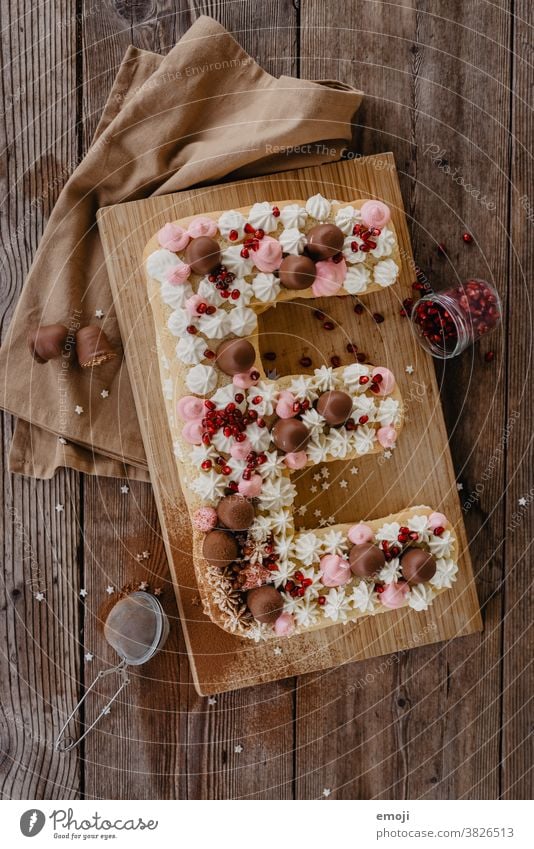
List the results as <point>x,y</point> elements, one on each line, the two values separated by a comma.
<point>158,590</point>
<point>324,472</point>
<point>78,410</point>
<point>343,484</point>
<point>110,590</point>
<point>99,313</point>
<point>143,585</point>
<point>302,510</point>
<point>83,593</point>
<point>317,477</point>
<point>212,700</point>
<point>326,792</point>
<point>354,470</point>
<point>238,749</point>
<point>145,555</point>
<point>125,489</point>
<point>88,656</point>
<point>409,369</point>
<point>59,508</point>
<point>387,454</point>
<point>106,711</point>
<point>522,501</point>
<point>325,485</point>
<point>459,486</point>
<point>317,513</point>
<point>331,520</point>
<point>62,440</point>
<point>104,393</point>
<point>277,651</point>
<point>39,596</point>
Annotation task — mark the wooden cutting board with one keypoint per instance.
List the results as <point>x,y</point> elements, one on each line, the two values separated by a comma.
<point>419,472</point>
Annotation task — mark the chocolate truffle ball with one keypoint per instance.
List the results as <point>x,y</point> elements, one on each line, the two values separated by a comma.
<point>92,347</point>
<point>203,255</point>
<point>366,559</point>
<point>265,603</point>
<point>324,241</point>
<point>290,435</point>
<point>417,566</point>
<point>236,512</point>
<point>235,356</point>
<point>220,548</point>
<point>335,407</point>
<point>297,272</point>
<point>46,342</point>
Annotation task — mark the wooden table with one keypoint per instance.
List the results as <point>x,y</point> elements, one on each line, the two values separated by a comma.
<point>448,89</point>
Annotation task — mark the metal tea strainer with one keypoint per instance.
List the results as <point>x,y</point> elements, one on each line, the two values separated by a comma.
<point>136,628</point>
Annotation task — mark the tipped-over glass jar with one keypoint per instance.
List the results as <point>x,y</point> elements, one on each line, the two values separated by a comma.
<point>447,322</point>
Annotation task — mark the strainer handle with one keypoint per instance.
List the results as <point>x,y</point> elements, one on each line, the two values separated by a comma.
<point>65,743</point>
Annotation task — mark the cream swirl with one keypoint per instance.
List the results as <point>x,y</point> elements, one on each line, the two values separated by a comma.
<point>234,262</point>
<point>160,263</point>
<point>175,296</point>
<point>190,349</point>
<point>293,215</point>
<point>357,279</point>
<point>265,287</point>
<point>292,241</point>
<point>385,272</point>
<point>385,244</point>
<point>210,486</point>
<point>276,493</point>
<point>232,221</point>
<point>363,598</point>
<point>179,321</point>
<point>307,548</point>
<point>261,217</point>
<point>318,207</point>
<point>346,218</point>
<point>201,379</point>
<point>243,321</point>
<point>214,326</point>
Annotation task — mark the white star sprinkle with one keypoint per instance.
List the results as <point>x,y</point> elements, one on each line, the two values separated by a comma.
<point>125,489</point>
<point>522,501</point>
<point>331,520</point>
<point>325,473</point>
<point>104,393</point>
<point>313,488</point>
<point>317,477</point>
<point>88,656</point>
<point>387,454</point>
<point>78,410</point>
<point>317,513</point>
<point>212,700</point>
<point>62,440</point>
<point>110,590</point>
<point>106,711</point>
<point>277,651</point>
<point>158,591</point>
<point>143,585</point>
<point>459,486</point>
<point>354,470</point>
<point>409,369</point>
<point>39,596</point>
<point>325,485</point>
<point>145,555</point>
<point>99,313</point>
<point>59,508</point>
<point>83,593</point>
<point>323,523</point>
<point>238,749</point>
<point>343,484</point>
<point>302,510</point>
<point>326,792</point>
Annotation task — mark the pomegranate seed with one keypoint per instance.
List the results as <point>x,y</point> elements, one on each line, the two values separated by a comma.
<point>336,259</point>
<point>254,375</point>
<point>467,237</point>
<point>363,420</point>
<point>259,234</point>
<point>305,405</point>
<point>276,212</point>
<point>361,357</point>
<point>336,361</point>
<point>247,474</point>
<point>209,354</point>
<point>239,397</point>
<point>270,355</point>
<point>355,247</point>
<point>298,576</point>
<point>358,309</point>
<point>290,585</point>
<point>192,329</point>
<point>230,407</point>
<point>249,228</point>
<point>438,531</point>
<point>257,399</point>
<point>352,348</point>
<point>226,470</point>
<point>210,405</point>
<point>232,235</point>
<point>377,378</point>
<point>206,439</point>
<point>307,582</point>
<point>414,536</point>
<point>211,310</point>
<point>235,294</point>
<point>350,424</point>
<point>363,380</point>
<point>379,588</point>
<point>318,314</point>
<point>206,464</point>
<point>201,309</point>
<point>212,278</point>
<point>328,325</point>
<point>489,356</point>
<point>261,422</point>
<point>233,487</point>
<point>321,599</point>
<point>296,407</point>
<point>305,362</point>
<point>244,253</point>
<point>378,317</point>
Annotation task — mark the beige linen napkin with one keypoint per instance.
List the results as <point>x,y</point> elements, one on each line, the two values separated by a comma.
<point>204,112</point>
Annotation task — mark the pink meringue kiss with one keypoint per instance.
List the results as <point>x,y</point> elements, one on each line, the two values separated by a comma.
<point>394,595</point>
<point>202,226</point>
<point>179,274</point>
<point>387,384</point>
<point>190,407</point>
<point>335,572</point>
<point>387,436</point>
<point>375,213</point>
<point>250,488</point>
<point>296,459</point>
<point>173,238</point>
<point>360,533</point>
<point>244,380</point>
<point>193,303</point>
<point>329,278</point>
<point>192,432</point>
<point>269,254</point>
<point>284,407</point>
<point>284,625</point>
<point>437,520</point>
<point>204,519</point>
<point>239,450</point>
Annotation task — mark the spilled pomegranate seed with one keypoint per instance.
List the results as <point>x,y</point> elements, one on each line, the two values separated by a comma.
<point>489,356</point>
<point>328,325</point>
<point>358,309</point>
<point>318,314</point>
<point>305,362</point>
<point>335,360</point>
<point>378,317</point>
<point>270,355</point>
<point>352,348</point>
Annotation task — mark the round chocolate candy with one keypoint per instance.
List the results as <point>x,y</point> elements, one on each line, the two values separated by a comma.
<point>235,512</point>
<point>290,435</point>
<point>92,347</point>
<point>297,272</point>
<point>203,255</point>
<point>46,342</point>
<point>417,566</point>
<point>265,603</point>
<point>220,548</point>
<point>334,406</point>
<point>324,241</point>
<point>366,559</point>
<point>235,356</point>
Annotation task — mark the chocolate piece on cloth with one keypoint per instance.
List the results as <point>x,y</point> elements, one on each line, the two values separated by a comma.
<point>160,132</point>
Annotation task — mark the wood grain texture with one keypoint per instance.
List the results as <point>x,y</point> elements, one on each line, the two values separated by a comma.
<point>39,666</point>
<point>450,721</point>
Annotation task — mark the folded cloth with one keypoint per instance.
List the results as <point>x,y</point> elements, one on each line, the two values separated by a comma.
<point>203,113</point>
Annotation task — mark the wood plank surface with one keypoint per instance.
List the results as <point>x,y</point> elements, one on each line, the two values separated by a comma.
<point>447,723</point>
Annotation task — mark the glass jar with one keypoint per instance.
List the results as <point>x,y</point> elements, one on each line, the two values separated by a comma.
<point>447,322</point>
